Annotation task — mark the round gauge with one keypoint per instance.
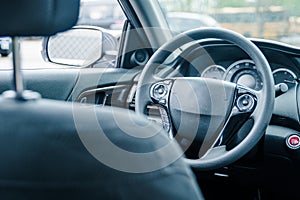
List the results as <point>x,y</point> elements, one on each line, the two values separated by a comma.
<point>244,73</point>
<point>214,71</point>
<point>286,76</point>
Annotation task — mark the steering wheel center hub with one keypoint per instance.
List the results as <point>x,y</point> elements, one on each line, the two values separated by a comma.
<point>199,107</point>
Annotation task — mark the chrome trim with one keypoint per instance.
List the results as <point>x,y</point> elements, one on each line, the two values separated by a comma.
<point>97,90</point>
<point>221,175</point>
<point>285,70</point>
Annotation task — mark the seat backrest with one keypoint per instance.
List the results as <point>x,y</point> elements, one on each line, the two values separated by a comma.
<point>47,152</point>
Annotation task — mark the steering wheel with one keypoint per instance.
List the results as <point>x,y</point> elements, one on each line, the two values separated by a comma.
<point>206,113</point>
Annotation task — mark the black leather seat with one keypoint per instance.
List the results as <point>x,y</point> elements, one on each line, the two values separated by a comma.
<point>43,157</point>
<point>48,150</point>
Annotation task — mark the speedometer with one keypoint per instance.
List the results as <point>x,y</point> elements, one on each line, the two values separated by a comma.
<point>286,76</point>
<point>244,73</point>
<point>214,71</point>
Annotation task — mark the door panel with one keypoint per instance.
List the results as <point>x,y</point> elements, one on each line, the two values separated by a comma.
<point>66,84</point>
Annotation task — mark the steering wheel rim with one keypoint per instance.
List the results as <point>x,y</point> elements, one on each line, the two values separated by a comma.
<point>219,156</point>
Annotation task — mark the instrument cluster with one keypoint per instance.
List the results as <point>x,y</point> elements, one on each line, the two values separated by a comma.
<point>245,73</point>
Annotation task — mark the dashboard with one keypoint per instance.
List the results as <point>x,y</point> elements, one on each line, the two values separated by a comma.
<point>223,61</point>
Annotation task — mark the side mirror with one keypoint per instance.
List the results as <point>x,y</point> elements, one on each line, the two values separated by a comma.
<point>80,46</point>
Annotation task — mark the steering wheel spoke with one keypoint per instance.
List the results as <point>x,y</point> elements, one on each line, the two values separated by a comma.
<point>160,94</point>
<point>243,111</point>
<point>244,105</point>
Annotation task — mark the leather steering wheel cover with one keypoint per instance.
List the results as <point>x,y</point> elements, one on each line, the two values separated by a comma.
<point>262,113</point>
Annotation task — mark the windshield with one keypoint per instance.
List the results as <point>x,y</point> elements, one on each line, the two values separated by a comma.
<point>267,19</point>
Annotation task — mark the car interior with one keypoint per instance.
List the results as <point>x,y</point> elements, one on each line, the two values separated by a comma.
<point>144,114</point>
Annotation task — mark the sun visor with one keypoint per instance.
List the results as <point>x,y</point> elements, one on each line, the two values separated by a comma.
<point>37,17</point>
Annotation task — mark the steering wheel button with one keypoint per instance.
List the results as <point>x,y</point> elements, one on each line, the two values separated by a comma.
<point>166,126</point>
<point>245,103</point>
<point>293,141</point>
<point>159,91</point>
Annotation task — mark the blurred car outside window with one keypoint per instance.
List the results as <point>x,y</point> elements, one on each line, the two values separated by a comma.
<point>265,19</point>
<point>183,21</point>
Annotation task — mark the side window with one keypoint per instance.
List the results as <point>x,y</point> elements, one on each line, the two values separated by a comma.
<point>106,14</point>
<point>93,41</point>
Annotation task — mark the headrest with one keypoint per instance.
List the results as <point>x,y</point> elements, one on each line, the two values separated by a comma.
<point>37,17</point>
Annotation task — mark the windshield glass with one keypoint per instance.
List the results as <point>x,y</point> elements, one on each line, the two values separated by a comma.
<point>268,19</point>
